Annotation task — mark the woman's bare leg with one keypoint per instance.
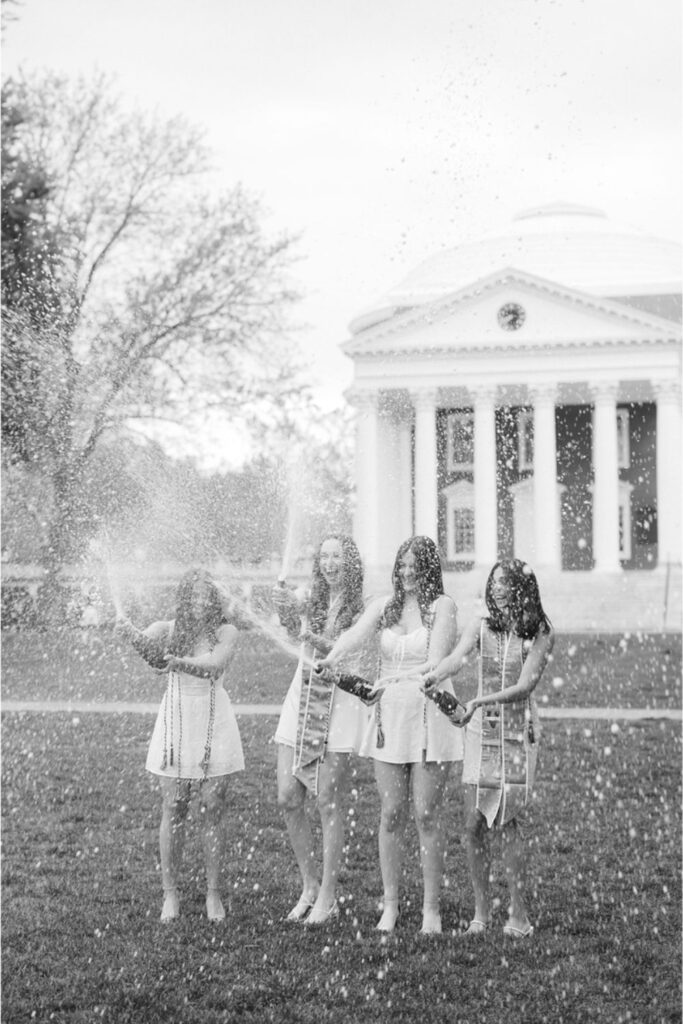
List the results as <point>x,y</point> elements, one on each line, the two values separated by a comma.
<point>515,864</point>
<point>429,787</point>
<point>175,804</point>
<point>334,773</point>
<point>291,799</point>
<point>394,792</point>
<point>478,854</point>
<point>213,804</point>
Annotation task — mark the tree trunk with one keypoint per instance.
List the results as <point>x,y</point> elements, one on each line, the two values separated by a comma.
<point>60,548</point>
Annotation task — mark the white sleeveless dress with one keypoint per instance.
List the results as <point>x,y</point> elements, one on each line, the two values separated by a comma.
<point>413,729</point>
<point>348,717</point>
<point>184,733</point>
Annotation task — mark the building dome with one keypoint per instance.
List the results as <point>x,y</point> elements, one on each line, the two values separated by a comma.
<point>575,246</point>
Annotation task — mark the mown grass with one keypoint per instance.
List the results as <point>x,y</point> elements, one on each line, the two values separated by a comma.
<point>81,890</point>
<point>587,670</point>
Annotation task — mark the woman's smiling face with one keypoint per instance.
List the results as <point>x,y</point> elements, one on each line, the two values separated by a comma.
<point>332,562</point>
<point>500,590</point>
<point>200,602</point>
<point>406,572</point>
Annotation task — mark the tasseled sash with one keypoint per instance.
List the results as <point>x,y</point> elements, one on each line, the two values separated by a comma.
<point>506,730</point>
<point>173,731</point>
<point>315,706</point>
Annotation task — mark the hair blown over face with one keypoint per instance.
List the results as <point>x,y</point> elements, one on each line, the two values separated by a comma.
<point>352,587</point>
<point>190,625</point>
<point>428,577</point>
<point>524,612</point>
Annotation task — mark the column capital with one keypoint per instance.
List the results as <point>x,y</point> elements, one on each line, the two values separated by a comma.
<point>364,401</point>
<point>604,393</point>
<point>423,398</point>
<point>667,390</point>
<point>484,394</point>
<point>543,394</point>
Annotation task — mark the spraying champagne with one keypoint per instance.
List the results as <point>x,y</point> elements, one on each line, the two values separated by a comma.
<point>150,650</point>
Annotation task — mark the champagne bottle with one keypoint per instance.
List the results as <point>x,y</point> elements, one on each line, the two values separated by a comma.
<point>353,684</point>
<point>449,704</point>
<point>153,652</point>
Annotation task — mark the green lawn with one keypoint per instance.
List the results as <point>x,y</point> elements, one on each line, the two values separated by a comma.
<point>593,670</point>
<point>81,889</point>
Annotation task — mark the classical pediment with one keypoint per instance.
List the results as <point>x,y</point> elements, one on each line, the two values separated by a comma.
<point>507,310</point>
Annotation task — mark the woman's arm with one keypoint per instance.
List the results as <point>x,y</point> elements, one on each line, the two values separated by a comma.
<point>356,635</point>
<point>155,631</point>
<point>211,664</point>
<point>444,630</point>
<point>317,640</point>
<point>290,605</point>
<point>453,662</point>
<point>322,642</point>
<point>149,643</point>
<point>532,671</point>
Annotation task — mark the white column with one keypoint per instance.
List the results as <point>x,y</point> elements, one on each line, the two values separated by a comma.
<point>485,476</point>
<point>405,502</point>
<point>668,472</point>
<point>366,512</point>
<point>605,480</point>
<point>424,403</point>
<point>546,505</point>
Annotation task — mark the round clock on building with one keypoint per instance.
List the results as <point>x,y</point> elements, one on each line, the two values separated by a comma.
<point>511,316</point>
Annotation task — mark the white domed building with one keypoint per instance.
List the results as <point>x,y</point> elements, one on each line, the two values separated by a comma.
<point>520,395</point>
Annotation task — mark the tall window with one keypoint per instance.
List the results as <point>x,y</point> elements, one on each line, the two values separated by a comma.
<point>525,439</point>
<point>460,441</point>
<point>463,532</point>
<point>623,439</point>
<point>459,521</point>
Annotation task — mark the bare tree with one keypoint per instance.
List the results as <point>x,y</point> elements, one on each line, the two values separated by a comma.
<point>171,298</point>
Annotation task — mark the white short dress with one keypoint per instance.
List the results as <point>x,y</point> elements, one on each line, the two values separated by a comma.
<point>195,735</point>
<point>347,723</point>
<point>407,727</point>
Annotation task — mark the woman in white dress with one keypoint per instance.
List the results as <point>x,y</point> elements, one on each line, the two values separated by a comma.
<point>195,737</point>
<point>513,641</point>
<point>320,726</point>
<point>407,736</point>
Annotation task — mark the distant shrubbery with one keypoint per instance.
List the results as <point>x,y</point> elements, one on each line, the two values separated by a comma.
<point>18,608</point>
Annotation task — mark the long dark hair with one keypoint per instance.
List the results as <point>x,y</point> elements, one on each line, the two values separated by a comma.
<point>352,587</point>
<point>188,627</point>
<point>428,577</point>
<point>525,611</point>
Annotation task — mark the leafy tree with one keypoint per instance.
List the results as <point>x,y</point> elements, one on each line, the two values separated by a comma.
<point>31,285</point>
<point>30,250</point>
<point>146,296</point>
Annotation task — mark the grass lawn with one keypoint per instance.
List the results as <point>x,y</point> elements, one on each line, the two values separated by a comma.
<point>587,670</point>
<point>81,887</point>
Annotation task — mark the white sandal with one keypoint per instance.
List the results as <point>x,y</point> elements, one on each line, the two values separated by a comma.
<point>518,933</point>
<point>477,927</point>
<point>299,911</point>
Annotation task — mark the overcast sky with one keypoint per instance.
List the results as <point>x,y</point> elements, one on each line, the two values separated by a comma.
<point>385,130</point>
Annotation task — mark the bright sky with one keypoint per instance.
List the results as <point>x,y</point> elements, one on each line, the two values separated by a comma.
<point>385,130</point>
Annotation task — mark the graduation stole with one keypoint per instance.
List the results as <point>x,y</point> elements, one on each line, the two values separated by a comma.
<point>502,786</point>
<point>315,707</point>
